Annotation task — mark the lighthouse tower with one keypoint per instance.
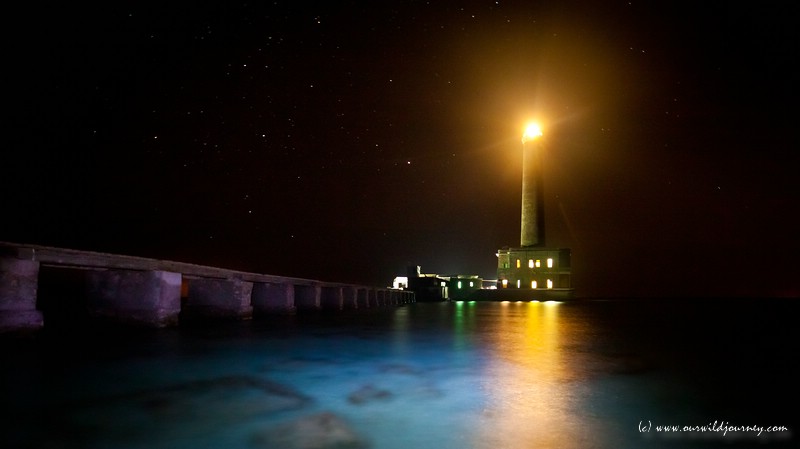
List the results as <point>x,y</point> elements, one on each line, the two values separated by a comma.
<point>532,225</point>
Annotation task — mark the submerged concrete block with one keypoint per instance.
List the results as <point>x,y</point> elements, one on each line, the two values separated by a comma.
<point>307,297</point>
<point>150,298</point>
<point>222,298</point>
<point>19,280</point>
<point>271,298</point>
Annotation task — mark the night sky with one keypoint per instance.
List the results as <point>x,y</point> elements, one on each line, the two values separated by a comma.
<point>343,141</point>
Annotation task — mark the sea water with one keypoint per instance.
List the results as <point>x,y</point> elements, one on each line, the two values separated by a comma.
<point>583,374</point>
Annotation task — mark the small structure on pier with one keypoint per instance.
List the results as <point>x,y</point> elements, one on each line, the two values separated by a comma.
<point>435,287</point>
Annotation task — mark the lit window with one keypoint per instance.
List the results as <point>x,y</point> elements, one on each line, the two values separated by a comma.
<point>538,263</point>
<point>518,263</point>
<point>549,263</point>
<point>533,284</point>
<point>549,283</point>
<point>518,283</point>
<point>530,263</point>
<point>444,284</point>
<point>505,283</point>
<point>459,284</point>
<point>471,284</point>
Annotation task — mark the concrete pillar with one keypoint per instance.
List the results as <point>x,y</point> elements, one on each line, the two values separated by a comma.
<point>150,298</point>
<point>19,280</point>
<point>362,298</point>
<point>220,298</point>
<point>381,298</point>
<point>349,294</point>
<point>331,298</point>
<point>307,297</point>
<point>273,298</point>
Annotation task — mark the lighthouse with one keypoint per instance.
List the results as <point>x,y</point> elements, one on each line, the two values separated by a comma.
<point>533,269</point>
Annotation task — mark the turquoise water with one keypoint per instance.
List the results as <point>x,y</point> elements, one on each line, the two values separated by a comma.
<point>442,375</point>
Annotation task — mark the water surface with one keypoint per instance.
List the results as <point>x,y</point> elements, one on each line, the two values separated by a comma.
<point>591,374</point>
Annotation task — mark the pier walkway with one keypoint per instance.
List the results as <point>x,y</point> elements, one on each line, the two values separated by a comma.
<point>156,293</point>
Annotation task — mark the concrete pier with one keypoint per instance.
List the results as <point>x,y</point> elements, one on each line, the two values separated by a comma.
<point>384,298</point>
<point>219,298</point>
<point>374,300</point>
<point>273,298</point>
<point>151,298</point>
<point>362,298</point>
<point>331,298</point>
<point>307,297</point>
<point>158,293</point>
<point>350,297</point>
<point>18,287</point>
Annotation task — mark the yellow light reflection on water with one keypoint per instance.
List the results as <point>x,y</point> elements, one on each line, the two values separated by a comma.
<point>531,403</point>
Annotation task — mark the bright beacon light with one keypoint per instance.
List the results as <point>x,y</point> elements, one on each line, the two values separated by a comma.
<point>532,131</point>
